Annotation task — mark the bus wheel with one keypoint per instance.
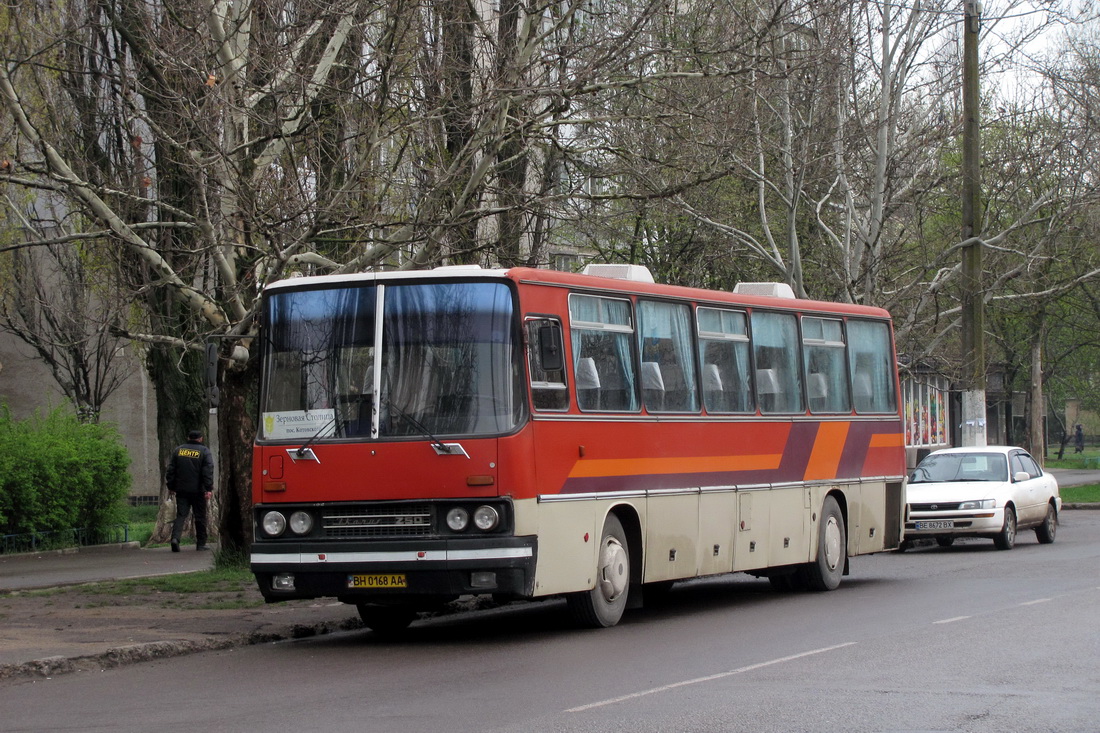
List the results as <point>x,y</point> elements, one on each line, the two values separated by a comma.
<point>604,605</point>
<point>832,549</point>
<point>385,620</point>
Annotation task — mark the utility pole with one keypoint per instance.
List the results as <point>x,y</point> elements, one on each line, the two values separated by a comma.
<point>973,306</point>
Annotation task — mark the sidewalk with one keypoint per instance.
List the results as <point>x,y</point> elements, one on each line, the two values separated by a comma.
<point>101,562</point>
<point>50,625</point>
<point>1075,476</point>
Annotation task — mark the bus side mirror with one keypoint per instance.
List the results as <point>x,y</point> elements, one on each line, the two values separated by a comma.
<point>551,350</point>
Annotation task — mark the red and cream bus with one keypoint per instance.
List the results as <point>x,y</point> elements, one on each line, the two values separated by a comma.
<point>528,433</point>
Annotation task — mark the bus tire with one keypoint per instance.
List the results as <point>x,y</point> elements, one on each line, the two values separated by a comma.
<point>825,572</point>
<point>385,620</point>
<point>603,606</point>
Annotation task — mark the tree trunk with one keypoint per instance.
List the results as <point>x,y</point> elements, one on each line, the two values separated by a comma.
<point>177,381</point>
<point>236,433</point>
<point>1036,437</point>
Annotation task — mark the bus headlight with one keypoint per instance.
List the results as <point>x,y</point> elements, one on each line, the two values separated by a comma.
<point>273,524</point>
<point>301,522</point>
<point>458,519</point>
<point>486,518</point>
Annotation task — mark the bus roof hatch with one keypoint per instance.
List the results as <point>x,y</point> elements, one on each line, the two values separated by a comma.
<point>634,273</point>
<point>771,290</point>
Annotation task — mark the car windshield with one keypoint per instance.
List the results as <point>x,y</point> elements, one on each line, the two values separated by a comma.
<point>942,467</point>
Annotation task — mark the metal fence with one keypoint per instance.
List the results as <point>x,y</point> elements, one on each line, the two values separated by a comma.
<point>81,537</point>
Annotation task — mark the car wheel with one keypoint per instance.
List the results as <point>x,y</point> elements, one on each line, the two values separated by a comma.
<point>604,604</point>
<point>832,549</point>
<point>1006,540</point>
<point>945,541</point>
<point>1045,532</point>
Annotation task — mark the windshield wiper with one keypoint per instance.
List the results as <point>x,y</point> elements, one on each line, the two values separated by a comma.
<point>440,447</point>
<point>304,451</point>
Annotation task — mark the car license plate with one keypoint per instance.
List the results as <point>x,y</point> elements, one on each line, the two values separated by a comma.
<point>937,524</point>
<point>383,580</point>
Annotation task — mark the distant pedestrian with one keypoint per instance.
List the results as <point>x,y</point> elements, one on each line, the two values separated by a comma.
<point>190,478</point>
<point>1078,439</point>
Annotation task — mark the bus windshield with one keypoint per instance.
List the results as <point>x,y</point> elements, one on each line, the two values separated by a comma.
<point>448,363</point>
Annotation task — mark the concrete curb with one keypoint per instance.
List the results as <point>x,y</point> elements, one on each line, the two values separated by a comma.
<point>131,654</point>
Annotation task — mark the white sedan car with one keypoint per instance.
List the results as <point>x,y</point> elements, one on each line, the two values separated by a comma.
<point>991,491</point>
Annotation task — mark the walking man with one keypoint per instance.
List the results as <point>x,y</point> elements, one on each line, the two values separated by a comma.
<point>190,478</point>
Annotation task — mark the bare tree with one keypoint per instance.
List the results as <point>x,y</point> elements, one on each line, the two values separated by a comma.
<point>221,146</point>
<point>60,303</point>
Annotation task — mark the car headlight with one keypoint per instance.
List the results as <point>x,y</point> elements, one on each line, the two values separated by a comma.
<point>486,518</point>
<point>301,522</point>
<point>273,524</point>
<point>983,504</point>
<point>458,519</point>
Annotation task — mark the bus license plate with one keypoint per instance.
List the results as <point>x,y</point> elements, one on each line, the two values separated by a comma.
<point>387,580</point>
<point>937,524</point>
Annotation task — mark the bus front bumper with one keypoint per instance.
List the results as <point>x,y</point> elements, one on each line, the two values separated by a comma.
<point>394,570</point>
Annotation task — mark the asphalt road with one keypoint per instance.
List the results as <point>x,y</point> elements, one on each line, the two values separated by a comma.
<point>965,638</point>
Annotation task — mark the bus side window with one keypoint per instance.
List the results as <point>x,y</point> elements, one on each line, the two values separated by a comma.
<point>724,353</point>
<point>544,354</point>
<point>823,357</point>
<point>871,359</point>
<point>666,343</point>
<point>775,346</point>
<point>602,332</point>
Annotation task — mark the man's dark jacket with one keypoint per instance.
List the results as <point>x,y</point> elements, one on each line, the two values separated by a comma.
<point>191,470</point>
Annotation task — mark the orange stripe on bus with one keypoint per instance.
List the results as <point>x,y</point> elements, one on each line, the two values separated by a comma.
<point>887,440</point>
<point>828,447</point>
<point>597,468</point>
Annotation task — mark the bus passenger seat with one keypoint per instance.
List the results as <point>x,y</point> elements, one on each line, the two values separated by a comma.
<point>767,387</point>
<point>653,385</point>
<point>712,378</point>
<point>676,388</point>
<point>713,394</point>
<point>817,389</point>
<point>861,391</point>
<point>588,384</point>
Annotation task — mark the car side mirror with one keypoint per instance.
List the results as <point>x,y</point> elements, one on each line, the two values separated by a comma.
<point>1021,476</point>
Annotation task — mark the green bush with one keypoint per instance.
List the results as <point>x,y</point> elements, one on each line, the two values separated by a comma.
<point>57,473</point>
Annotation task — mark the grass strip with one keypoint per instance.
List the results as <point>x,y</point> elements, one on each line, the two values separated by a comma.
<point>1089,494</point>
